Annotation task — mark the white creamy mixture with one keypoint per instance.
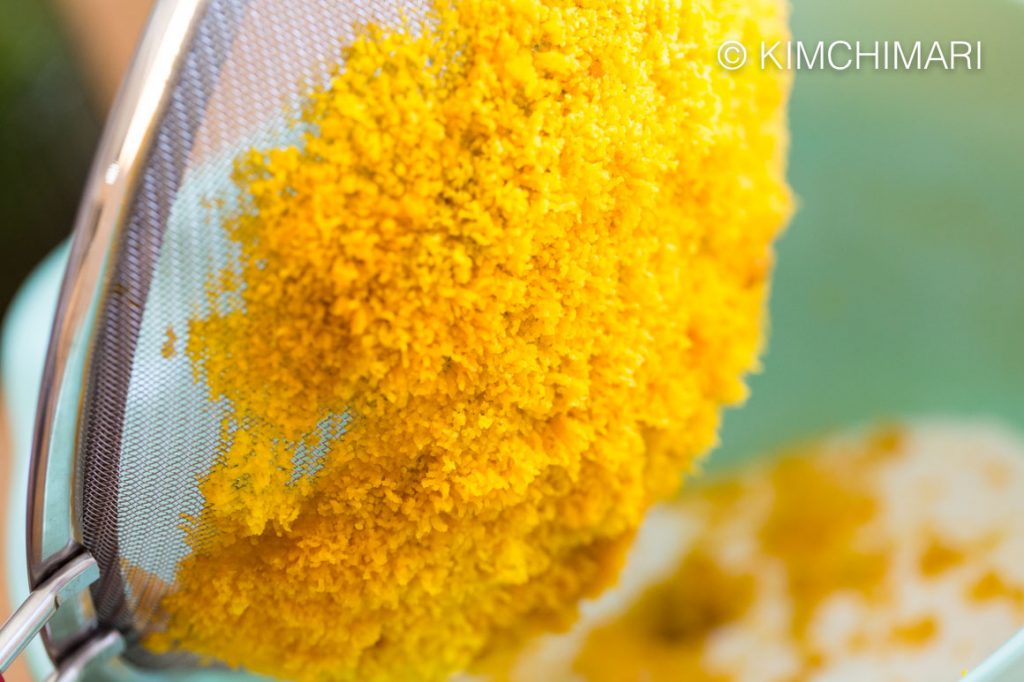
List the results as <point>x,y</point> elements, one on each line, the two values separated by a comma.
<point>900,558</point>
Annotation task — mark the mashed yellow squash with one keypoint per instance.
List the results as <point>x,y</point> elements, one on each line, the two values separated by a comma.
<point>486,313</point>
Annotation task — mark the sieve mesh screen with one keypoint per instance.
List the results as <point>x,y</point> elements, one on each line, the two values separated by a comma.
<point>149,428</point>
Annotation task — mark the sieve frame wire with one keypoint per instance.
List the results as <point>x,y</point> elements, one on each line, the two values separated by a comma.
<point>54,532</point>
<point>78,493</point>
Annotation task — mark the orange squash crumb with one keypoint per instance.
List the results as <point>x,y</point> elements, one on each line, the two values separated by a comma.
<point>169,350</point>
<point>663,635</point>
<point>815,528</point>
<point>918,632</point>
<point>939,557</point>
<point>991,585</point>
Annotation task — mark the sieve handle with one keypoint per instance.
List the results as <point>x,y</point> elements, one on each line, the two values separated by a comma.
<point>31,617</point>
<point>96,650</point>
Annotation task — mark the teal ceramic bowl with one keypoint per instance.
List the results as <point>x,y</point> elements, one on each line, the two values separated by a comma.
<point>900,285</point>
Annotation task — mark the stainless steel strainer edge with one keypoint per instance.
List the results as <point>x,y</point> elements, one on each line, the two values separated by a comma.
<point>60,569</point>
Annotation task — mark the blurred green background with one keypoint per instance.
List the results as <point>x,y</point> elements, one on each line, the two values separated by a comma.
<point>48,129</point>
<point>900,284</point>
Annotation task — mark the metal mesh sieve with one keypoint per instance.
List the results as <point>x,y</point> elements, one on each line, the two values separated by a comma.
<point>147,430</point>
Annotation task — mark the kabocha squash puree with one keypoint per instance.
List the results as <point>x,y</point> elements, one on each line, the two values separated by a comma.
<point>520,259</point>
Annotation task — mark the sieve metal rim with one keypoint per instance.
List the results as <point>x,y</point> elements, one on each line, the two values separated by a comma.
<point>53,516</point>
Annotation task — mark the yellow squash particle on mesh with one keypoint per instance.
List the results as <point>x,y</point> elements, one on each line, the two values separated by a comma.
<point>520,259</point>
